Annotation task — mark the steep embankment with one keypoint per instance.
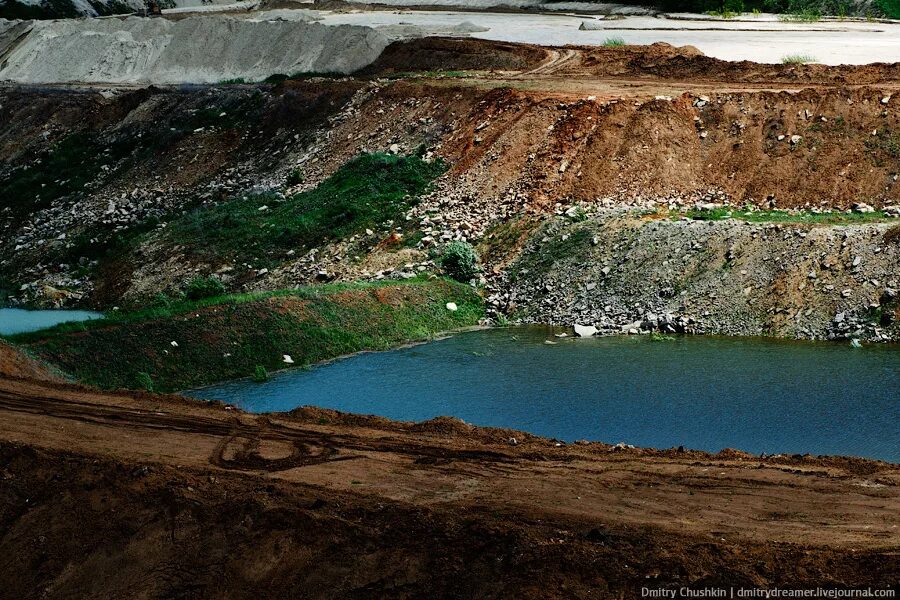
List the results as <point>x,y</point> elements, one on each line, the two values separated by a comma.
<point>193,344</point>
<point>641,270</point>
<point>206,49</point>
<point>149,173</point>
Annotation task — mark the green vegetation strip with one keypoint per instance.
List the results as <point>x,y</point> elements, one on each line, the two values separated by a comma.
<point>229,337</point>
<point>783,216</point>
<point>368,191</point>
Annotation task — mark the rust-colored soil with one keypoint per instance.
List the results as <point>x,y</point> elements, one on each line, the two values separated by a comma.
<point>15,364</point>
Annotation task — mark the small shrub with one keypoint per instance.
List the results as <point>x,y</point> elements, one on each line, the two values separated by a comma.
<point>295,177</point>
<point>144,381</point>
<point>614,42</point>
<point>161,300</point>
<point>260,374</point>
<point>798,59</point>
<point>460,261</point>
<point>579,215</point>
<point>204,287</point>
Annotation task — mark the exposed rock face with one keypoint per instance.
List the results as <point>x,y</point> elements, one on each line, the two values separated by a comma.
<point>624,273</point>
<point>205,49</point>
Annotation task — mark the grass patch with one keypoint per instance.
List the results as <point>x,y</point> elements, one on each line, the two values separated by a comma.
<point>613,42</point>
<point>228,337</point>
<point>659,337</point>
<point>798,59</point>
<point>782,216</point>
<point>883,147</point>
<point>364,193</point>
<point>723,13</point>
<point>571,247</point>
<point>807,16</point>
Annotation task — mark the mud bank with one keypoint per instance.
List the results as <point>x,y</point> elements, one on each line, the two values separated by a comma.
<point>194,50</point>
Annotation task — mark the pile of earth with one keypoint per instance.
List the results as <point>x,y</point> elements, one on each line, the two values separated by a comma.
<point>206,49</point>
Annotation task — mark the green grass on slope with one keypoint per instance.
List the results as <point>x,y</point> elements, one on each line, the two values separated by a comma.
<point>783,216</point>
<point>231,336</point>
<point>364,193</point>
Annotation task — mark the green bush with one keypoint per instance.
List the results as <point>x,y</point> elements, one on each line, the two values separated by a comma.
<point>295,177</point>
<point>260,374</point>
<point>612,42</point>
<point>204,287</point>
<point>460,261</point>
<point>891,8</point>
<point>144,381</point>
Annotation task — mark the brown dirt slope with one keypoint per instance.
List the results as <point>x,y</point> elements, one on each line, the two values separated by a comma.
<point>113,495</point>
<point>455,54</point>
<point>14,363</point>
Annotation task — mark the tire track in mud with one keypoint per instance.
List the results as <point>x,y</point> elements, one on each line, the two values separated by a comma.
<point>240,445</point>
<point>557,60</point>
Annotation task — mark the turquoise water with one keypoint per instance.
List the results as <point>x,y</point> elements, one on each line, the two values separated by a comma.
<point>700,392</point>
<point>16,320</point>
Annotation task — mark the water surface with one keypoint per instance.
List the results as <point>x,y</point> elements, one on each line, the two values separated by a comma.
<point>17,320</point>
<point>701,392</point>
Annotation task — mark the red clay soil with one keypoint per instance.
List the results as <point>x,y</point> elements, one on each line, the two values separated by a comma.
<point>14,363</point>
<point>141,495</point>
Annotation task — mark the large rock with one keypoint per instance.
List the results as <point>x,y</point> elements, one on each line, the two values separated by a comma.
<point>585,330</point>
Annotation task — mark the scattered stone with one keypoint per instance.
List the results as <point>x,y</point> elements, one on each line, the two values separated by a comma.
<point>585,330</point>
